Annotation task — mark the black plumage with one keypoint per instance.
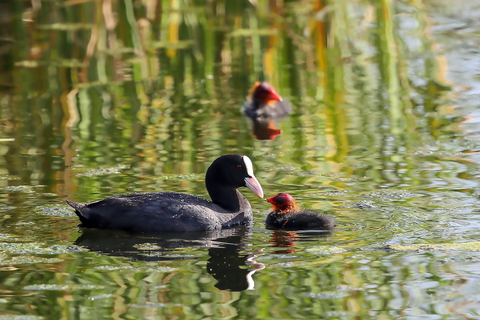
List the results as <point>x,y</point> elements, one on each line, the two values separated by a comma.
<point>299,220</point>
<point>178,212</point>
<point>285,214</point>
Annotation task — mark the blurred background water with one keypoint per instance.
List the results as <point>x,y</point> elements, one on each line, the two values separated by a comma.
<point>103,97</point>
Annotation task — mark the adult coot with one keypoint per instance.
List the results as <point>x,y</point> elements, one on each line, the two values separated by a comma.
<point>173,211</point>
<point>264,103</point>
<point>285,214</point>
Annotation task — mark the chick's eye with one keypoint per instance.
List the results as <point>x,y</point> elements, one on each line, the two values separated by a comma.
<point>239,167</point>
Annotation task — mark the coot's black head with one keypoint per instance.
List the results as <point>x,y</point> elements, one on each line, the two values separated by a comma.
<point>283,203</point>
<point>264,93</point>
<point>232,171</point>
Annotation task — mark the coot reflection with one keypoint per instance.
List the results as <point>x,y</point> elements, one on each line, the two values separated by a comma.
<point>226,263</point>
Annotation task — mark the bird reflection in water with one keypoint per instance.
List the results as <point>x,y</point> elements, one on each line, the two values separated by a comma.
<point>226,263</point>
<point>265,107</point>
<point>284,239</point>
<point>265,130</point>
<point>287,240</point>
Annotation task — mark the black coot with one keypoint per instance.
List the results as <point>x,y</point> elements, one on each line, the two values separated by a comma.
<point>285,214</point>
<point>264,103</point>
<point>173,211</point>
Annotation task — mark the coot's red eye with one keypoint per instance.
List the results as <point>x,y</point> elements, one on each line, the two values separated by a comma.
<point>239,167</point>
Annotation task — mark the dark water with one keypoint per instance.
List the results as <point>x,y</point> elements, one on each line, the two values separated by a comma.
<point>107,97</point>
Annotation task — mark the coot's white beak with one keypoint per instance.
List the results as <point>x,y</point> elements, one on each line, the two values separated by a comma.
<point>251,181</point>
<point>254,185</point>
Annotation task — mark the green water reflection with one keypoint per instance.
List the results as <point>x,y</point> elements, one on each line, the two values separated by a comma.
<point>106,97</point>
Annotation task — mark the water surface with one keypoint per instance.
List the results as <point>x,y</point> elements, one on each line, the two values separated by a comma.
<point>103,98</point>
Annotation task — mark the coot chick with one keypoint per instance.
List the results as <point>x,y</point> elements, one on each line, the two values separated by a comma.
<point>285,214</point>
<point>178,212</point>
<point>264,103</point>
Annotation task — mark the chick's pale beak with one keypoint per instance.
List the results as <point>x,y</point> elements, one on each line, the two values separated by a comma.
<point>254,185</point>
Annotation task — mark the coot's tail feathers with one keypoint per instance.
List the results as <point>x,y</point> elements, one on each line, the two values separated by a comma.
<point>74,204</point>
<point>78,210</point>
